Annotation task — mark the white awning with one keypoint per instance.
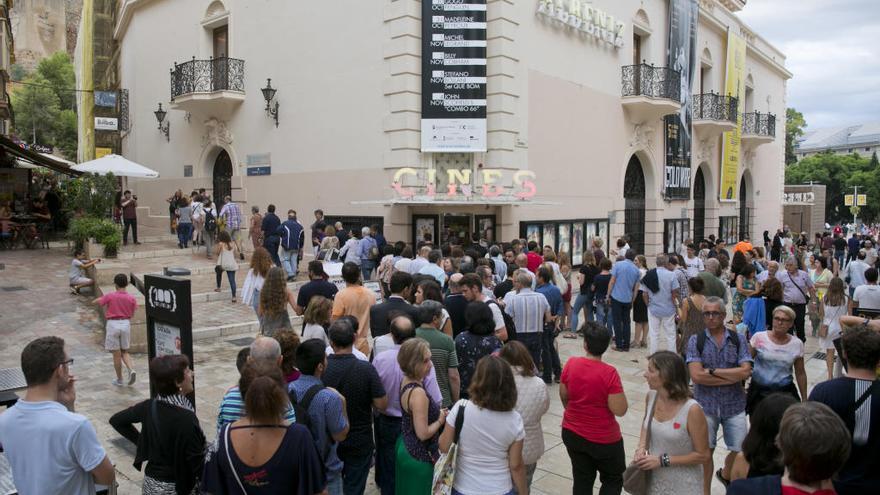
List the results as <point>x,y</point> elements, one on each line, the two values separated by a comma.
<point>116,165</point>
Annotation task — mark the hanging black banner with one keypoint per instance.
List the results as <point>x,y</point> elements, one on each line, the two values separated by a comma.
<point>453,75</point>
<point>681,56</point>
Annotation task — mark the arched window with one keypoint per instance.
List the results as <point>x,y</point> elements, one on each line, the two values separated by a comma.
<point>634,205</point>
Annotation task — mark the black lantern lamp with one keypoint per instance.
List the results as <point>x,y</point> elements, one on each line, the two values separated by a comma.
<point>160,116</point>
<point>269,95</point>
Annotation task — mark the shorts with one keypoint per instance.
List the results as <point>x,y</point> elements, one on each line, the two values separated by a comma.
<point>734,431</point>
<point>79,281</point>
<point>235,234</point>
<point>118,335</point>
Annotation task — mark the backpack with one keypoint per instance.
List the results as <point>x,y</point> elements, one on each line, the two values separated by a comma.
<point>301,410</point>
<point>701,340</point>
<point>508,322</point>
<point>210,221</point>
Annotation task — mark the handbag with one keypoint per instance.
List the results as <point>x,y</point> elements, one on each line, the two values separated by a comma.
<point>806,297</point>
<point>635,480</point>
<point>444,468</point>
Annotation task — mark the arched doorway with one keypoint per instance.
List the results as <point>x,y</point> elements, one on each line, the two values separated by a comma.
<point>634,205</point>
<point>699,206</point>
<point>222,178</point>
<point>744,227</point>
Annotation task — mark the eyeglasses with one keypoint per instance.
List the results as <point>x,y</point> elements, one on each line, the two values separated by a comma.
<point>67,363</point>
<point>712,314</point>
<point>783,320</point>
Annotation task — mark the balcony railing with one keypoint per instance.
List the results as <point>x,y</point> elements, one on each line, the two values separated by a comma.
<point>207,76</point>
<point>759,124</point>
<point>650,81</point>
<point>712,106</point>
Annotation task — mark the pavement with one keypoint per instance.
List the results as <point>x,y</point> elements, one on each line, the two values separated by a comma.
<point>35,302</point>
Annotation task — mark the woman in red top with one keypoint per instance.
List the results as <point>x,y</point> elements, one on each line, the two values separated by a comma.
<point>592,395</point>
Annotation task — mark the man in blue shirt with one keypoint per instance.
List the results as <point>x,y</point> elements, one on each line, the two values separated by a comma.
<point>326,408</point>
<point>662,305</point>
<point>433,267</point>
<point>622,290</point>
<point>500,270</point>
<point>289,237</point>
<point>549,354</point>
<point>365,249</point>
<point>270,225</point>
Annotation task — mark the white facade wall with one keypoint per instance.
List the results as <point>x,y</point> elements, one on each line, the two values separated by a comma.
<point>348,79</point>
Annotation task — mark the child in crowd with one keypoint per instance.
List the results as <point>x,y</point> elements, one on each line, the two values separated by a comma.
<point>119,307</point>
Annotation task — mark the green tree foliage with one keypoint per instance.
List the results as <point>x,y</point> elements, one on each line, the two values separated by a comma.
<point>45,106</point>
<point>839,174</point>
<point>92,195</point>
<point>794,128</point>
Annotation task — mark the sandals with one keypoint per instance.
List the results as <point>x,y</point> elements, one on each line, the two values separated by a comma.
<point>217,289</point>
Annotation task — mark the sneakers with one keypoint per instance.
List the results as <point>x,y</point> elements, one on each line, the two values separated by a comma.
<point>132,376</point>
<point>117,382</point>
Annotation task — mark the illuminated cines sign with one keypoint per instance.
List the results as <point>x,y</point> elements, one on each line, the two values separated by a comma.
<point>583,18</point>
<point>459,184</point>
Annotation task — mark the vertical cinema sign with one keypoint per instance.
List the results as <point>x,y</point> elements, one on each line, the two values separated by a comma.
<point>681,57</point>
<point>731,144</point>
<point>453,76</point>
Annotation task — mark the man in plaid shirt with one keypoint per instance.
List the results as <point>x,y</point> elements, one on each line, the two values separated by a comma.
<point>231,213</point>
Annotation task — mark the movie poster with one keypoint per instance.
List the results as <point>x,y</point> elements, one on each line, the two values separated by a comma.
<point>564,238</point>
<point>735,86</point>
<point>533,233</point>
<point>549,235</point>
<point>577,243</point>
<point>681,56</point>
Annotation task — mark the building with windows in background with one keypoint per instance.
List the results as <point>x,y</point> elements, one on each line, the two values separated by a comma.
<point>863,139</point>
<point>556,121</point>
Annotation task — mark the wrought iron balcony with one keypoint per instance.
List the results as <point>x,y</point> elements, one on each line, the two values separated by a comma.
<point>649,92</point>
<point>213,86</point>
<point>758,128</point>
<point>714,114</point>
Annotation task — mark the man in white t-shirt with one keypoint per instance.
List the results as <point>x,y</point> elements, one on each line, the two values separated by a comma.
<point>867,296</point>
<point>772,268</point>
<point>693,262</point>
<point>50,448</point>
<point>472,290</point>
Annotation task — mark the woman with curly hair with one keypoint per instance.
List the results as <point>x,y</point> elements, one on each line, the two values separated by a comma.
<point>274,299</point>
<point>289,342</point>
<point>261,262</point>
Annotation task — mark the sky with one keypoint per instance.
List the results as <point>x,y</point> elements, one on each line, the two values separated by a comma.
<point>833,50</point>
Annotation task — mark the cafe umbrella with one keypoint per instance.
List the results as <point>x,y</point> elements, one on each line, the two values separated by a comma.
<point>116,165</point>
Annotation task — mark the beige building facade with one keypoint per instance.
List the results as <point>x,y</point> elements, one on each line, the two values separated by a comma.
<point>575,137</point>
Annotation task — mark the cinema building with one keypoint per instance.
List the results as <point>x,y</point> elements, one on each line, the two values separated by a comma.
<point>556,120</point>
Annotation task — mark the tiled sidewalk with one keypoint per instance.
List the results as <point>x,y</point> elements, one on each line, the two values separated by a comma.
<point>44,307</point>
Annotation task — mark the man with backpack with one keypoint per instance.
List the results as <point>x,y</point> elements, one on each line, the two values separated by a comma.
<point>320,409</point>
<point>719,361</point>
<point>472,290</point>
<point>289,234</point>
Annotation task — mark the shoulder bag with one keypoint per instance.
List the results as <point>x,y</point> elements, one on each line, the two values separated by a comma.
<point>444,468</point>
<point>635,480</point>
<point>806,297</point>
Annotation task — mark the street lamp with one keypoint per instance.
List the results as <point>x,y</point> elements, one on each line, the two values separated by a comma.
<point>269,95</point>
<point>160,116</point>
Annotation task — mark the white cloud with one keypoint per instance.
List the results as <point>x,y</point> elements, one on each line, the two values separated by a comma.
<point>832,50</point>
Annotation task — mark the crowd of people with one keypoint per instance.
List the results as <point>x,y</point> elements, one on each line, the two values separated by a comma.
<point>461,352</point>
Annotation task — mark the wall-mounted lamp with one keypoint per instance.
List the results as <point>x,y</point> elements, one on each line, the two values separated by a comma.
<point>160,116</point>
<point>269,95</point>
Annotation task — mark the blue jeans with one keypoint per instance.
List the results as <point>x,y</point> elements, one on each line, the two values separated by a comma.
<point>584,300</point>
<point>367,268</point>
<point>840,256</point>
<point>289,261</point>
<point>387,430</point>
<point>230,276</point>
<point>334,483</point>
<point>354,473</point>
<point>549,354</point>
<point>620,316</point>
<point>184,233</point>
<point>256,302</point>
<point>603,315</point>
<point>734,429</point>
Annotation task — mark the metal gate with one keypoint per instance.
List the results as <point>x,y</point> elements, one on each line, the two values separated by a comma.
<point>699,207</point>
<point>634,205</point>
<point>744,224</point>
<point>222,178</point>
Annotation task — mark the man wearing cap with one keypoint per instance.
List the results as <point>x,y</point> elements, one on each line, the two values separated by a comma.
<point>316,286</point>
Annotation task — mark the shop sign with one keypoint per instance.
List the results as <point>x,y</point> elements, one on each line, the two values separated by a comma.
<point>105,124</point>
<point>799,198</point>
<point>102,152</point>
<point>105,99</point>
<point>460,184</point>
<point>583,18</point>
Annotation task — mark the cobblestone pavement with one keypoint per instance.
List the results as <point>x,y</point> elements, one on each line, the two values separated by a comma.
<point>43,307</point>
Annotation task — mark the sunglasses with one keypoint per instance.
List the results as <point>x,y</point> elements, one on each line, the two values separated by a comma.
<point>713,314</point>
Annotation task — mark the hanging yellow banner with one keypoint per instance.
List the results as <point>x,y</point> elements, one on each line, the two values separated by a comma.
<point>735,86</point>
<point>102,152</point>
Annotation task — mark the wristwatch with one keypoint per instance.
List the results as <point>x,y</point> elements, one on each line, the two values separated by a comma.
<point>712,371</point>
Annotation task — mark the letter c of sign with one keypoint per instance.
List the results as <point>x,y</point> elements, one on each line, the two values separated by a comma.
<point>397,186</point>
<point>528,187</point>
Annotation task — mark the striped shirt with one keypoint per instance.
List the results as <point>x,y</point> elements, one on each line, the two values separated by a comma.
<point>232,409</point>
<point>527,309</point>
<point>232,213</point>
